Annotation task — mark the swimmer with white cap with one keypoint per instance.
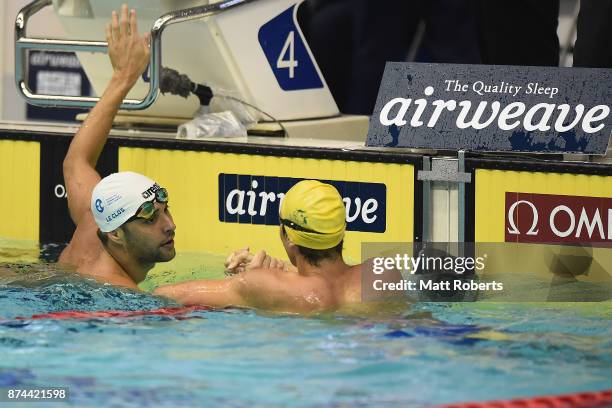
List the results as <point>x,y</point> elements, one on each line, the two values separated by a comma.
<point>123,225</point>
<point>312,227</point>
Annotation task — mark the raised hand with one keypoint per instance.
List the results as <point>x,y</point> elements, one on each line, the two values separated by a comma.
<point>128,51</point>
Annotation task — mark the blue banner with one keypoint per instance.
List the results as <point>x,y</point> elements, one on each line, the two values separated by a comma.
<point>285,49</point>
<point>250,199</point>
<point>493,108</point>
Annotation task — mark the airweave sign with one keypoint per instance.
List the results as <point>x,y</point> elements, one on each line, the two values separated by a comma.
<point>249,199</point>
<point>493,108</point>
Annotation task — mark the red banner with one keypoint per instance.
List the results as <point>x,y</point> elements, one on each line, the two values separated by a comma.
<point>547,218</point>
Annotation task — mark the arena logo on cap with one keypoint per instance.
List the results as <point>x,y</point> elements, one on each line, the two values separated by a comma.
<point>249,199</point>
<point>546,218</point>
<point>487,108</point>
<point>150,191</point>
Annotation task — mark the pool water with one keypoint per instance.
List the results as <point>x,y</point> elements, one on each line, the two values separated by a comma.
<point>420,355</point>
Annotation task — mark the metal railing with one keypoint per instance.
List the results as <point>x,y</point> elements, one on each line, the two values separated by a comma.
<point>23,45</point>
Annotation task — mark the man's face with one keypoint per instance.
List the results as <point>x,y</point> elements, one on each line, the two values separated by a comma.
<point>151,240</point>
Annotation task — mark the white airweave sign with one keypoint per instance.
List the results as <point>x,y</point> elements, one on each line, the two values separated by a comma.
<point>493,108</point>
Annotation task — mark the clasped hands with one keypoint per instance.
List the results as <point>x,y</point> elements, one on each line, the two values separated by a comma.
<point>243,260</point>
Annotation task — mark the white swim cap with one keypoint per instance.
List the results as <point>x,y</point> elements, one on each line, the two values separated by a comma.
<point>117,197</point>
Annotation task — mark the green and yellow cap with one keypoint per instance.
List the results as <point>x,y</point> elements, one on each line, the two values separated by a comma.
<point>314,215</point>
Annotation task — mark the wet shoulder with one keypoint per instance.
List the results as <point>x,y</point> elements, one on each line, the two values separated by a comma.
<point>84,247</point>
<point>352,288</point>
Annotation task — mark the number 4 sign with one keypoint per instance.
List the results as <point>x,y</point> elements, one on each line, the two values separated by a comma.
<point>286,52</point>
<point>290,63</point>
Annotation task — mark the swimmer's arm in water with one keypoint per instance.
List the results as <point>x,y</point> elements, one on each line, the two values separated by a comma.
<point>214,293</point>
<point>129,54</point>
<point>270,289</point>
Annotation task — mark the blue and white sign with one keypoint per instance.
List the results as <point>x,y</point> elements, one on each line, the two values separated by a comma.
<point>249,199</point>
<point>493,108</point>
<point>282,42</point>
<point>99,206</point>
<point>56,73</point>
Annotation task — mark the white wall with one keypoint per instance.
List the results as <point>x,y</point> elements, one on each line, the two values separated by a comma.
<point>3,34</point>
<point>44,25</point>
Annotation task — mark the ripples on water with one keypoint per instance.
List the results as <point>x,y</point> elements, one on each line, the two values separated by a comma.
<point>423,355</point>
<point>49,290</point>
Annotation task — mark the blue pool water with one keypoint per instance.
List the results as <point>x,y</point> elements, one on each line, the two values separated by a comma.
<point>417,356</point>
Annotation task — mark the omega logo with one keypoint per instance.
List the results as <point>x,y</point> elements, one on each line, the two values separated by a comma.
<point>558,218</point>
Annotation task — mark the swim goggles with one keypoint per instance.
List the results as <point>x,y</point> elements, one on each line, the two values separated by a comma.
<point>147,209</point>
<point>297,227</point>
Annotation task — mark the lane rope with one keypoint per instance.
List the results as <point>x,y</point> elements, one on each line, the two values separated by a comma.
<point>599,399</point>
<point>74,314</point>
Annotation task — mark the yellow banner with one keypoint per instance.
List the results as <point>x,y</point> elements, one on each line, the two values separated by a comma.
<point>553,226</point>
<point>20,181</point>
<point>192,179</point>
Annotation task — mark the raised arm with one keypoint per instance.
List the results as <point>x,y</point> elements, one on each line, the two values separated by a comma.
<point>129,54</point>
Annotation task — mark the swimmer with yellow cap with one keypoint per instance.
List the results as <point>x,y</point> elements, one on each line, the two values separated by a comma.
<point>312,226</point>
<point>313,221</point>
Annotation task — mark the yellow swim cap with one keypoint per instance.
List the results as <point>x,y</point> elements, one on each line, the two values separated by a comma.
<point>313,214</point>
